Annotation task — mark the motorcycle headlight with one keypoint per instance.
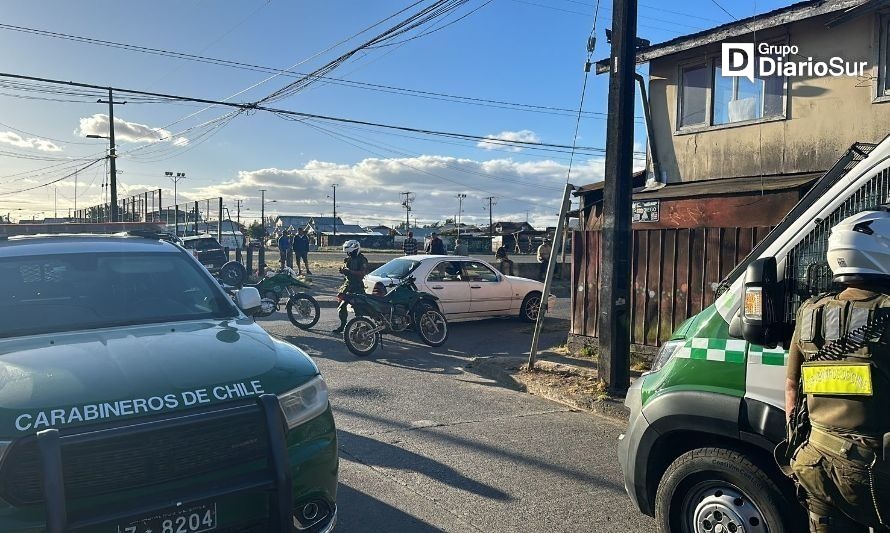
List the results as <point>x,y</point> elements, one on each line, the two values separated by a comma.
<point>305,402</point>
<point>665,353</point>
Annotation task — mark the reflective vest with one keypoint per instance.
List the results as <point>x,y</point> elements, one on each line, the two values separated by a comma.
<point>850,394</point>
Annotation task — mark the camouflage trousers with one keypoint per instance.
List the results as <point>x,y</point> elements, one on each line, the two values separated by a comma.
<point>839,493</point>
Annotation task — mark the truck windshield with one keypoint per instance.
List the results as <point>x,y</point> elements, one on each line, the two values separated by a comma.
<point>68,292</point>
<point>396,269</point>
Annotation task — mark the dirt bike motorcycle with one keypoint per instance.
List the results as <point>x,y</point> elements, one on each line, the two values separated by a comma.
<point>402,308</point>
<point>302,309</point>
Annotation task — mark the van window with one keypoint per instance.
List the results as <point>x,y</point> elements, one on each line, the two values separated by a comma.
<point>806,268</point>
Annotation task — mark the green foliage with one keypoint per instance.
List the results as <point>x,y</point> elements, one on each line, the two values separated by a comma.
<point>255,230</point>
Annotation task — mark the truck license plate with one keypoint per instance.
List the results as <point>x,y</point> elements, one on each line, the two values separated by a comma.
<point>186,519</point>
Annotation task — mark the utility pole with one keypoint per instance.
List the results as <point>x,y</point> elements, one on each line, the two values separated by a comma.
<point>407,204</point>
<point>460,203</point>
<point>75,193</point>
<point>614,290</point>
<point>112,156</point>
<point>262,257</point>
<point>490,221</point>
<point>335,208</point>
<point>238,207</point>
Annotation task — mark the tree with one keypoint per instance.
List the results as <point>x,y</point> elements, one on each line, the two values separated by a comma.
<point>255,230</point>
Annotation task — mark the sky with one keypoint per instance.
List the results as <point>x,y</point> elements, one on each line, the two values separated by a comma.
<point>529,52</point>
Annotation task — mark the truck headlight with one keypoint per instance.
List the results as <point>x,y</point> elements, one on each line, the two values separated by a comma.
<point>305,402</point>
<point>665,353</point>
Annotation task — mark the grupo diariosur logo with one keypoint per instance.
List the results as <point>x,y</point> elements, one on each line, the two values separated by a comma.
<point>740,60</point>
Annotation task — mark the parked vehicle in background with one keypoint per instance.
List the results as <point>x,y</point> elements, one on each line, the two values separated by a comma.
<point>698,449</point>
<point>208,251</point>
<point>138,396</point>
<point>466,288</point>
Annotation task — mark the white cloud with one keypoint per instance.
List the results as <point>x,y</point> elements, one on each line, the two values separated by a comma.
<point>368,191</point>
<point>127,131</point>
<point>14,139</point>
<point>522,135</point>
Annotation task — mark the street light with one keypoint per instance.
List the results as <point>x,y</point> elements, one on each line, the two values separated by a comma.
<point>175,177</point>
<point>112,169</point>
<point>460,203</point>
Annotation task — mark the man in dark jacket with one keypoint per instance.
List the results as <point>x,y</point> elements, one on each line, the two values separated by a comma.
<point>284,247</point>
<point>301,251</point>
<point>435,246</point>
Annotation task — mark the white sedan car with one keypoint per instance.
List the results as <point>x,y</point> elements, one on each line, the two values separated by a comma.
<point>467,288</point>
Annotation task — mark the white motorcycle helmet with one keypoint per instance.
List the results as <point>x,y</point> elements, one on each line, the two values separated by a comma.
<point>859,247</point>
<point>351,246</point>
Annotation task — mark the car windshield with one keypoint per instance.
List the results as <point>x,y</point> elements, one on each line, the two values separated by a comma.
<point>68,292</point>
<point>201,244</point>
<point>396,269</point>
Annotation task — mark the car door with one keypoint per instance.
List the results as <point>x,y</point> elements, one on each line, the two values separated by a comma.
<point>446,281</point>
<point>489,293</point>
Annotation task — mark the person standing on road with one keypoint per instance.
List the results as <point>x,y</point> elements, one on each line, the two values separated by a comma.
<point>504,262</point>
<point>301,250</point>
<point>354,269</point>
<point>459,247</point>
<point>284,247</point>
<point>543,254</point>
<point>435,246</point>
<point>410,244</point>
<point>839,374</point>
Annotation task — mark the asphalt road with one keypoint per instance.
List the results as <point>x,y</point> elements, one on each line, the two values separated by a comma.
<point>428,445</point>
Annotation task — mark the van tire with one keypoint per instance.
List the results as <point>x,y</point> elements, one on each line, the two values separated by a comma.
<point>724,477</point>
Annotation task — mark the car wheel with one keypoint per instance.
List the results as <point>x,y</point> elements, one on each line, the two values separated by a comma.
<point>715,489</point>
<point>531,306</point>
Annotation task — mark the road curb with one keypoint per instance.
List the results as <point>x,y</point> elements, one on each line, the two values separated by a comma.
<point>503,370</point>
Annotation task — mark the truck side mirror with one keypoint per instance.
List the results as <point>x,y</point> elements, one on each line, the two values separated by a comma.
<point>248,300</point>
<point>763,302</point>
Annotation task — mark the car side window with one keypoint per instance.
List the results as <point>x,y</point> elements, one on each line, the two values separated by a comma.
<point>446,271</point>
<point>476,271</point>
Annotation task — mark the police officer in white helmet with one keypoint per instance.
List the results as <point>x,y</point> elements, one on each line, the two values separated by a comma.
<point>354,269</point>
<point>839,376</point>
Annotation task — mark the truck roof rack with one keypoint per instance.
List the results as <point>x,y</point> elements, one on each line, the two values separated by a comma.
<point>153,235</point>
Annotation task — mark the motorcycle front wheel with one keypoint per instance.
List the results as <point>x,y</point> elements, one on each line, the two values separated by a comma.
<point>303,310</point>
<point>359,336</point>
<point>432,327</point>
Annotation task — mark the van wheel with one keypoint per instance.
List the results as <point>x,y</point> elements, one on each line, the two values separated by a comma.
<point>708,487</point>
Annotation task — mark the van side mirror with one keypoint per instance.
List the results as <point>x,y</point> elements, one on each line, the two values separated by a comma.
<point>762,306</point>
<point>248,300</point>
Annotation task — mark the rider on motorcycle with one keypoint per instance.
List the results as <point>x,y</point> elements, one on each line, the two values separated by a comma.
<point>354,269</point>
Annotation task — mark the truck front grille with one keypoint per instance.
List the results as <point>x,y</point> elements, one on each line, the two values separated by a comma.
<point>112,460</point>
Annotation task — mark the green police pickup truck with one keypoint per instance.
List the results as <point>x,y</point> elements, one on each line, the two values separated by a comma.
<point>137,397</point>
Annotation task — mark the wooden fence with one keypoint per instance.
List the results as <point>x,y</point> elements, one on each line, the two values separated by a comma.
<point>675,273</point>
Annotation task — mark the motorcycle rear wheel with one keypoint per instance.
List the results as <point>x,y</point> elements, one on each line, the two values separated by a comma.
<point>303,310</point>
<point>358,337</point>
<point>432,327</point>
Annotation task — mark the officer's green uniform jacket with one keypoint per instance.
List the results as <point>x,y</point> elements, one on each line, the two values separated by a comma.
<point>832,468</point>
<point>354,284</point>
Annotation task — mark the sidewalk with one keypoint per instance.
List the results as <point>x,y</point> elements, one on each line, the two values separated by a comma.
<point>572,381</point>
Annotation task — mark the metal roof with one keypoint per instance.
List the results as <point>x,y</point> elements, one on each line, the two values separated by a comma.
<point>771,19</point>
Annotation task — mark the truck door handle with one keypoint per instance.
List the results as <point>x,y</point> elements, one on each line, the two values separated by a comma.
<point>437,287</point>
<point>475,286</point>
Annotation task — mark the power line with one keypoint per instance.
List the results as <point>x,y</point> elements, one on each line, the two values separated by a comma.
<point>716,3</point>
<point>257,107</point>
<point>384,88</point>
<point>81,169</point>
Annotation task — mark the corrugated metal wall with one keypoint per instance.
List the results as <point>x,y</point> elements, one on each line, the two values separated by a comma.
<point>675,275</point>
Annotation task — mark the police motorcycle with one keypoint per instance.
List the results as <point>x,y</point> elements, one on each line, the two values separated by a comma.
<point>395,311</point>
<point>302,309</point>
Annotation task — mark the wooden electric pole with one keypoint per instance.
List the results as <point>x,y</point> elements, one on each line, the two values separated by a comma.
<point>614,290</point>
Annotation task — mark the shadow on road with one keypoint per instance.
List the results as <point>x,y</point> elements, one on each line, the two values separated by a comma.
<point>358,511</point>
<point>474,448</point>
<point>371,452</point>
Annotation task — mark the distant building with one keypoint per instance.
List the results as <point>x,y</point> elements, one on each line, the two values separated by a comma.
<point>502,228</point>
